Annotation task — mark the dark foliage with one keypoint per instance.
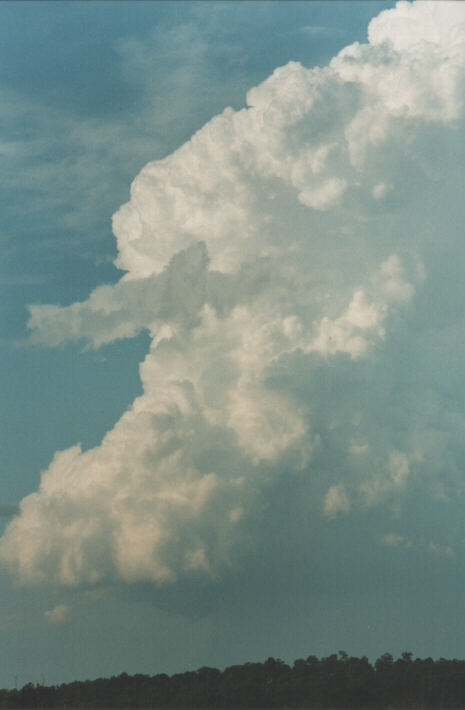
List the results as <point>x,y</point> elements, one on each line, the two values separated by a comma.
<point>337,681</point>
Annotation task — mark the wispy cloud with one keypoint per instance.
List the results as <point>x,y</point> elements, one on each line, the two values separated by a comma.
<point>64,154</point>
<point>402,541</point>
<point>322,31</point>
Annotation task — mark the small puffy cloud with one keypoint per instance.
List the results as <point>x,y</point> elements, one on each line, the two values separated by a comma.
<point>379,191</point>
<point>395,540</point>
<point>336,501</point>
<point>388,483</point>
<point>58,614</point>
<point>295,263</point>
<point>358,449</point>
<point>398,467</point>
<point>362,320</point>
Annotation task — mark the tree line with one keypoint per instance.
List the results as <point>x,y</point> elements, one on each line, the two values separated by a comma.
<point>335,681</point>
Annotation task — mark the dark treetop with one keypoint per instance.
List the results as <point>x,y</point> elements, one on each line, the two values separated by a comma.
<point>335,681</point>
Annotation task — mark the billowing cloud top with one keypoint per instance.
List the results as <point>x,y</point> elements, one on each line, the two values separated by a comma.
<point>285,262</point>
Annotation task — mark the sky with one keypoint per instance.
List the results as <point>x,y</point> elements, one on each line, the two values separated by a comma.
<point>231,359</point>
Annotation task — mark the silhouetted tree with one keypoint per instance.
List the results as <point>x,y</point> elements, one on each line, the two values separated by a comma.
<point>337,680</point>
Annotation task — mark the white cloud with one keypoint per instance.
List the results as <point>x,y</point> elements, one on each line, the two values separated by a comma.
<point>278,289</point>
<point>379,191</point>
<point>336,501</point>
<point>388,482</point>
<point>395,540</point>
<point>398,467</point>
<point>353,331</point>
<point>58,614</point>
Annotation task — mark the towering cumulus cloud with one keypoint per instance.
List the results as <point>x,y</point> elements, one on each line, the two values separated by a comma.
<point>296,266</point>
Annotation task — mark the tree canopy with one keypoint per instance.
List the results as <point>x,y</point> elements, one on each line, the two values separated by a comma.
<point>335,681</point>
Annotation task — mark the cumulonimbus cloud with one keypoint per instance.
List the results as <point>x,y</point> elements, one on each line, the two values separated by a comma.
<point>286,246</point>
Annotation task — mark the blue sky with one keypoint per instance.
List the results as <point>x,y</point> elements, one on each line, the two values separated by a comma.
<point>284,475</point>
